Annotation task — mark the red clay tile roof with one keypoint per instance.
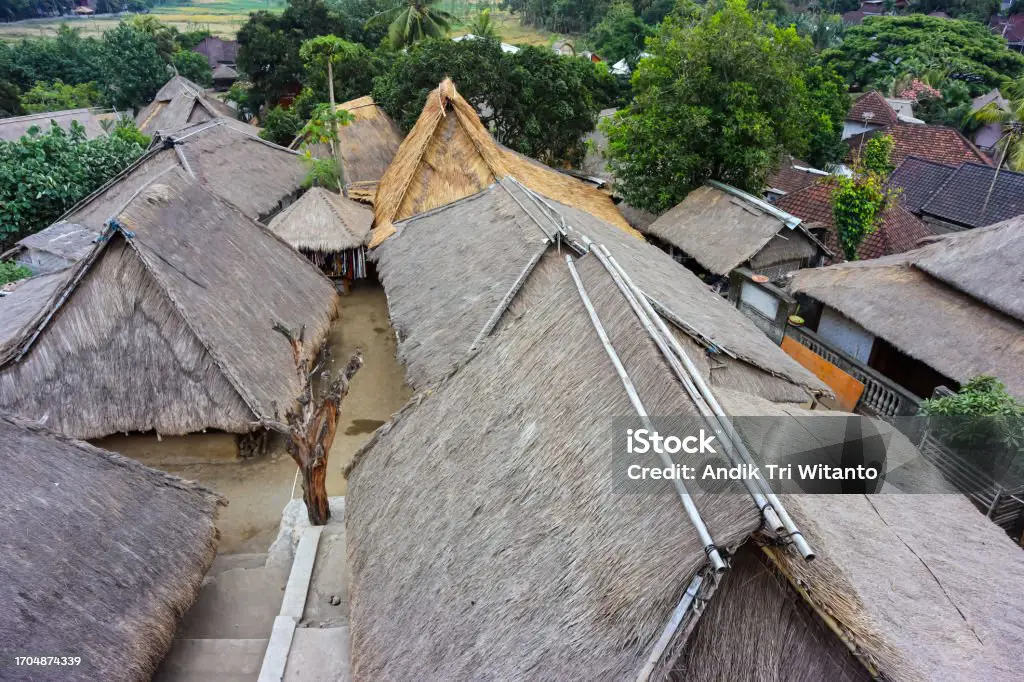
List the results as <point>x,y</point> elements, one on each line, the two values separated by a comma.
<point>872,107</point>
<point>792,176</point>
<point>900,231</point>
<point>938,144</point>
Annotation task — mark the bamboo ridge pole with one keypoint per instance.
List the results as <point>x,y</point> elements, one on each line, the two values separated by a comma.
<point>682,608</point>
<point>726,424</point>
<point>717,563</point>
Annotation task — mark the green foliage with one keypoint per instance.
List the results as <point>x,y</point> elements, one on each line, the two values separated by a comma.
<point>164,37</point>
<point>1010,149</point>
<point>10,100</point>
<point>858,202</point>
<point>58,96</point>
<point>354,68</point>
<point>193,66</point>
<point>12,272</point>
<point>723,95</point>
<point>982,418</point>
<point>482,25</point>
<point>823,30</point>
<point>281,125</point>
<point>620,34</point>
<point>132,69</point>
<point>125,130</point>
<point>885,48</point>
<point>45,173</point>
<point>241,94</point>
<point>189,39</point>
<point>562,16</point>
<point>412,21</point>
<point>268,46</point>
<point>974,10</point>
<point>322,126</point>
<point>535,101</point>
<point>322,173</point>
<point>68,57</point>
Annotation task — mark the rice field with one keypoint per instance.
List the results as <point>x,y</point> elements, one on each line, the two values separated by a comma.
<point>225,17</point>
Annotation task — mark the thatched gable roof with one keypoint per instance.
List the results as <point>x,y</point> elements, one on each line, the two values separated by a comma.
<point>722,227</point>
<point>13,128</point>
<point>321,220</point>
<point>438,316</point>
<point>101,555</point>
<point>226,157</point>
<point>449,155</point>
<point>168,326</point>
<point>962,321</point>
<point>519,560</point>
<point>66,240</point>
<point>180,103</point>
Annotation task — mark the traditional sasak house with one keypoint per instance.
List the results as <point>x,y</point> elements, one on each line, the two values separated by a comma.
<point>449,155</point>
<point>53,248</point>
<point>225,156</point>
<point>101,556</point>
<point>367,145</point>
<point>167,326</point>
<point>718,228</point>
<point>935,316</point>
<point>329,230</point>
<point>180,103</point>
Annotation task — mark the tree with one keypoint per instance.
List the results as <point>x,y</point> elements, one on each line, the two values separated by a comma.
<point>58,96</point>
<point>310,428</point>
<point>974,10</point>
<point>10,100</point>
<point>620,34</point>
<point>823,30</point>
<point>859,201</point>
<point>132,69</point>
<point>1010,147</point>
<point>884,48</point>
<point>165,37</point>
<point>44,174</point>
<point>482,25</point>
<point>353,69</point>
<point>281,125</point>
<point>193,66</point>
<point>723,95</point>
<point>412,21</point>
<point>535,101</point>
<point>328,50</point>
<point>12,272</point>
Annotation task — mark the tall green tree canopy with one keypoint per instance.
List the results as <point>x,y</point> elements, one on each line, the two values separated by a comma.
<point>884,48</point>
<point>131,67</point>
<point>536,102</point>
<point>58,96</point>
<point>411,21</point>
<point>723,95</point>
<point>45,173</point>
<point>620,34</point>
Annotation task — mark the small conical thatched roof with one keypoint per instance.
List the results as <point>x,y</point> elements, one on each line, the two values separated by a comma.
<point>323,221</point>
<point>449,155</point>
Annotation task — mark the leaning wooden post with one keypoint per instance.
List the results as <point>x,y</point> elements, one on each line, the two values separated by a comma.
<point>310,428</point>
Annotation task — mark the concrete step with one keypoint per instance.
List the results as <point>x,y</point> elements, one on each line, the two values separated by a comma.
<point>203,660</point>
<point>327,602</point>
<point>319,655</point>
<point>239,603</point>
<point>228,562</point>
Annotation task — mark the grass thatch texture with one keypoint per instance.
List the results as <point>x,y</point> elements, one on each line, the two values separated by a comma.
<point>449,155</point>
<point>101,556</point>
<point>519,560</point>
<point>321,220</point>
<point>180,103</point>
<point>757,629</point>
<point>953,333</point>
<point>368,143</point>
<point>171,329</point>
<point>228,160</point>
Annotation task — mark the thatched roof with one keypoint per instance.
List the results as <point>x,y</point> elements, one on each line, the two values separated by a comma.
<point>449,155</point>
<point>226,157</point>
<point>954,304</point>
<point>321,220</point>
<point>167,326</point>
<point>13,128</point>
<point>225,72</point>
<point>102,556</point>
<point>368,145</point>
<point>519,559</point>
<point>438,315</point>
<point>722,228</point>
<point>53,248</point>
<point>180,103</point>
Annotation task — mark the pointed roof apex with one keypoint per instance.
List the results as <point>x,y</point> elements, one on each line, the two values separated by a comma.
<point>322,220</point>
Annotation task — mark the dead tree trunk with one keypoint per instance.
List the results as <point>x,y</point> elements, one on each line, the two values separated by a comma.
<point>310,428</point>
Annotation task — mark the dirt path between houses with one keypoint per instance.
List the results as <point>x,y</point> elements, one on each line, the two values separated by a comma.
<point>258,489</point>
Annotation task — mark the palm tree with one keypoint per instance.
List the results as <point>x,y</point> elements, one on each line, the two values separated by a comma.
<point>412,21</point>
<point>1010,117</point>
<point>482,25</point>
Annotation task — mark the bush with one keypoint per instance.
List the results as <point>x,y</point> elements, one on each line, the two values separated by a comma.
<point>281,125</point>
<point>12,272</point>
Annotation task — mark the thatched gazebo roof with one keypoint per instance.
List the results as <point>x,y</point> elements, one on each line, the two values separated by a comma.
<point>955,305</point>
<point>228,159</point>
<point>722,228</point>
<point>321,220</point>
<point>180,103</point>
<point>167,326</point>
<point>101,556</point>
<point>449,155</point>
